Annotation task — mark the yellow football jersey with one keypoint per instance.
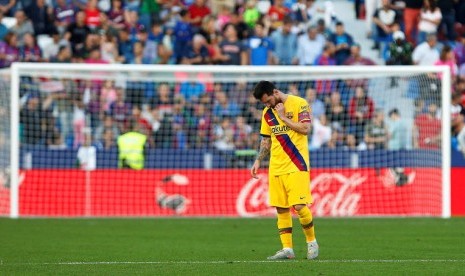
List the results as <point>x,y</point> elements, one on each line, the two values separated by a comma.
<point>289,149</point>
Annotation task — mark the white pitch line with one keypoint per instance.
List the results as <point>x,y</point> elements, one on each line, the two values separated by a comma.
<point>229,262</point>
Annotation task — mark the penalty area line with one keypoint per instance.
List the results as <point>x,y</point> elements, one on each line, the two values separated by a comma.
<point>228,262</point>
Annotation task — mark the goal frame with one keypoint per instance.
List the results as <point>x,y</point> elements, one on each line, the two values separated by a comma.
<point>18,68</point>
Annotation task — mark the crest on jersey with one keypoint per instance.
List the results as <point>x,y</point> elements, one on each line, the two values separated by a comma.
<point>289,115</point>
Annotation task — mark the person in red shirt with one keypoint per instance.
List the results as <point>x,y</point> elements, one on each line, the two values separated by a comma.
<point>198,11</point>
<point>92,14</point>
<point>361,110</point>
<point>277,12</point>
<point>427,129</point>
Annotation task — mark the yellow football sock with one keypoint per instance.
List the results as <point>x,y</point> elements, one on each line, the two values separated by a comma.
<point>285,229</point>
<point>306,220</point>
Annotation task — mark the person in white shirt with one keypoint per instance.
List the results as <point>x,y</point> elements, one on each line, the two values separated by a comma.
<point>430,18</point>
<point>321,132</point>
<point>310,46</point>
<point>426,53</point>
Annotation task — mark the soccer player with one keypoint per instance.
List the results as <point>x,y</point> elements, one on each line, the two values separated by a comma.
<point>285,124</point>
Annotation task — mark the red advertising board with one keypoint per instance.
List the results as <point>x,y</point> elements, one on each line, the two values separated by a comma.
<point>230,192</point>
<point>458,191</point>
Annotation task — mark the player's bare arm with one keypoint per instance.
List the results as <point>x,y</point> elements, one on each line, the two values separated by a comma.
<point>264,151</point>
<point>299,127</point>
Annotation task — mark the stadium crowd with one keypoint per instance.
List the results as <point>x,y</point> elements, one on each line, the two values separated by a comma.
<point>225,32</point>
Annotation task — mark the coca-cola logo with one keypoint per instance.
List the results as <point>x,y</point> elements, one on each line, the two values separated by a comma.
<point>333,193</point>
<point>252,200</point>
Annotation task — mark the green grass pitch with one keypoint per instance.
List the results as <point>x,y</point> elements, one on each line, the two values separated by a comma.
<point>178,246</point>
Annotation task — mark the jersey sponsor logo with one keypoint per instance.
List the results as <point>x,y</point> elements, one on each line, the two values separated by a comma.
<point>278,130</point>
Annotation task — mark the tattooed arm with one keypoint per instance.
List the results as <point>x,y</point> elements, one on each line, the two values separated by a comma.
<point>265,146</point>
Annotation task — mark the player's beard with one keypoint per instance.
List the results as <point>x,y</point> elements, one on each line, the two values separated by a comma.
<point>277,100</point>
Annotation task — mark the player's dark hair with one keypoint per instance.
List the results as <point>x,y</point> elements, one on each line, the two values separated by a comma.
<point>263,87</point>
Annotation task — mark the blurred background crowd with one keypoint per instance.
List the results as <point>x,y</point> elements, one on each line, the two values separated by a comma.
<point>202,114</point>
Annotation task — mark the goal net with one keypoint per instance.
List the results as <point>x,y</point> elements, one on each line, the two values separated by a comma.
<point>116,140</point>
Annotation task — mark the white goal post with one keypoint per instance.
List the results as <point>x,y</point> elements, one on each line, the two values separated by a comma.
<point>251,74</point>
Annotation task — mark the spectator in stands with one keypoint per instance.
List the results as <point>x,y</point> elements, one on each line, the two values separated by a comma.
<point>209,29</point>
<point>361,108</point>
<point>335,140</point>
<point>277,12</point>
<point>448,18</point>
<point>191,89</point>
<point>183,33</point>
<point>224,134</point>
<point>41,16</point>
<point>3,29</point>
<point>285,44</point>
<point>323,29</point>
<point>125,46</point>
<point>109,48</point>
<point>164,99</point>
<point>30,52</point>
<point>144,125</point>
<point>32,119</point>
<point>224,107</point>
<point>23,26</point>
<point>251,14</point>
<point>456,109</point>
<point>64,15</point>
<point>252,110</point>
<point>108,124</point>
<point>356,58</point>
<point>105,27</point>
<point>427,129</point>
<point>242,132</point>
<point>120,110</point>
<point>316,105</point>
<point>376,133</point>
<point>50,49</point>
<point>310,46</point>
<point>459,50</point>
<point>232,51</point>
<point>107,140</point>
<point>179,124</point>
<point>92,14</point>
<point>131,148</point>
<point>116,14</point>
<point>9,51</point>
<point>447,58</point>
<point>326,58</point>
<point>343,41</point>
<point>426,53</point>
<point>430,18</point>
<point>197,11</point>
<point>384,19</point>
<point>460,130</point>
<point>138,54</point>
<point>132,25</point>
<point>321,132</point>
<point>400,50</point>
<point>149,11</point>
<point>398,131</point>
<point>77,32</point>
<point>63,56</point>
<point>411,18</point>
<point>335,111</point>
<point>196,52</point>
<point>223,17</point>
<point>352,144</point>
<point>6,7</point>
<point>200,132</point>
<point>260,47</point>
<point>370,9</point>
